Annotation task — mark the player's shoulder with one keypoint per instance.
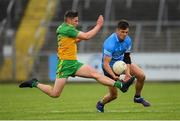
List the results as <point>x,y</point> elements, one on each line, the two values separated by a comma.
<point>111,38</point>
<point>110,41</point>
<point>60,27</point>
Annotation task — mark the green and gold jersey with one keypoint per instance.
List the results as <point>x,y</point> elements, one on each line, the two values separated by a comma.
<point>66,38</point>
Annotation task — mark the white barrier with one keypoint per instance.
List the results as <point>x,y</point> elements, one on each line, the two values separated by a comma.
<point>157,66</point>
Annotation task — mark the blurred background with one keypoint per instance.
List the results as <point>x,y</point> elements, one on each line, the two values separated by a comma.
<point>28,40</point>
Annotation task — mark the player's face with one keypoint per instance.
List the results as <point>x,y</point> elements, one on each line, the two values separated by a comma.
<point>74,21</point>
<point>122,33</point>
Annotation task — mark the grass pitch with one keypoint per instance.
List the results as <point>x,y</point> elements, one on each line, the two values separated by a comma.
<point>78,101</point>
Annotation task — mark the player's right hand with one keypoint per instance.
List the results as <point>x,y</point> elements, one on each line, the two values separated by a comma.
<point>116,77</point>
<point>100,20</point>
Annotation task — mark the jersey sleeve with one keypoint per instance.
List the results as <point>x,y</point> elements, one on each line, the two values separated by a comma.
<point>72,32</point>
<point>108,48</point>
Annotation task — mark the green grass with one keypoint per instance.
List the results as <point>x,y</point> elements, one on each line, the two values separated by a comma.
<point>78,101</point>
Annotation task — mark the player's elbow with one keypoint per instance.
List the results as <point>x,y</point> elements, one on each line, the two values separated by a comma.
<point>84,36</point>
<point>105,65</point>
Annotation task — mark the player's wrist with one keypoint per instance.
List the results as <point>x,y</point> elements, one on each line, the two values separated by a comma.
<point>99,25</point>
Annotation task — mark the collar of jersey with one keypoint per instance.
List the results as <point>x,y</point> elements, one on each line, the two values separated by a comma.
<point>117,39</point>
<point>68,24</point>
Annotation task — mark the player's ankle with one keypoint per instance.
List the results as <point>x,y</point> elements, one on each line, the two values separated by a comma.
<point>137,96</point>
<point>34,84</point>
<point>118,84</point>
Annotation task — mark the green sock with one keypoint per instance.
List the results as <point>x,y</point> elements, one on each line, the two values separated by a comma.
<point>34,84</point>
<point>118,84</point>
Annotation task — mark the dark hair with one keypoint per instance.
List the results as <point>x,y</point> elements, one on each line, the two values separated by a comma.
<point>70,14</point>
<point>123,24</point>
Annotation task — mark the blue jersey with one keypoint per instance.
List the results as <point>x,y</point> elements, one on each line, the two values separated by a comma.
<point>115,48</point>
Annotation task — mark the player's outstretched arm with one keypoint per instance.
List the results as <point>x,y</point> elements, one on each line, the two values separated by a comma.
<point>93,31</point>
<point>107,67</point>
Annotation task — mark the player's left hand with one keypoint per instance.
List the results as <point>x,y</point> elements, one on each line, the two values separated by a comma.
<point>100,21</point>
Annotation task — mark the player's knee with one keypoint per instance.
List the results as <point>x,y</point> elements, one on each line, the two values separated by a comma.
<point>55,95</point>
<point>144,77</point>
<point>113,97</point>
<point>95,75</point>
<point>141,77</point>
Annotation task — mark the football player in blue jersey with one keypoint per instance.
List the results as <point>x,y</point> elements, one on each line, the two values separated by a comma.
<point>118,47</point>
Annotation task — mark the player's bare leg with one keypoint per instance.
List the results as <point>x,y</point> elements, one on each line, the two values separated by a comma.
<point>54,91</point>
<point>140,76</point>
<point>89,72</point>
<point>112,95</point>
